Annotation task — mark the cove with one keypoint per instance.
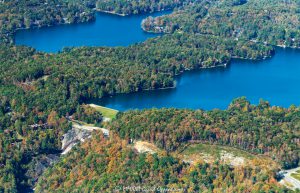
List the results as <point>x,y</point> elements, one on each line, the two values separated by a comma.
<point>106,30</point>
<point>276,80</point>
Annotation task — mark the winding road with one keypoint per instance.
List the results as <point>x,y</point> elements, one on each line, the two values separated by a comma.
<point>290,181</point>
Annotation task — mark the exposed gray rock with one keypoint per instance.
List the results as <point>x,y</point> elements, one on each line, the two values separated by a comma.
<point>72,137</point>
<point>39,164</point>
<point>78,133</point>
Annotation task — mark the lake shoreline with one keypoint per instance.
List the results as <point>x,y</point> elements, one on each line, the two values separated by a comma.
<point>90,33</point>
<point>216,87</point>
<point>111,12</point>
<point>182,73</point>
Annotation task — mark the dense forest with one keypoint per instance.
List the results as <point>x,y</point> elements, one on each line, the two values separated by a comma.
<point>19,14</point>
<point>112,165</point>
<point>62,80</point>
<point>39,91</point>
<point>275,23</point>
<point>28,14</point>
<point>138,6</point>
<point>50,87</point>
<point>261,129</point>
<point>31,133</point>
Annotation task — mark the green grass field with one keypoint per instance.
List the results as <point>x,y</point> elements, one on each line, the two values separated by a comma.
<point>106,112</point>
<point>296,175</point>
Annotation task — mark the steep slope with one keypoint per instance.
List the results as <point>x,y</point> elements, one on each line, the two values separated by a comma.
<point>107,165</point>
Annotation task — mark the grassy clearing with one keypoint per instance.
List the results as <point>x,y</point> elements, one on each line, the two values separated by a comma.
<point>296,175</point>
<point>106,112</point>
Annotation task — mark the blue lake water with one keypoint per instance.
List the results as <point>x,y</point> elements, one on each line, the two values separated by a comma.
<point>106,30</point>
<point>276,79</point>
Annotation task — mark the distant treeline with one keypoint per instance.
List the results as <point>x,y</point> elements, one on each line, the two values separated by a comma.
<point>19,14</point>
<point>271,22</point>
<point>39,91</point>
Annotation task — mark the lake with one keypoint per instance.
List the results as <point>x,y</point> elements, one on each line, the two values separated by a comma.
<point>276,79</point>
<point>106,30</point>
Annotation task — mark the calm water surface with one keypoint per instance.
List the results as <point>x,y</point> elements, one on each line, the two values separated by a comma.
<point>276,80</point>
<point>106,30</point>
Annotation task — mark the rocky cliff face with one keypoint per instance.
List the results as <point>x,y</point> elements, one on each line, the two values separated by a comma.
<point>78,133</point>
<point>72,137</point>
<point>39,164</point>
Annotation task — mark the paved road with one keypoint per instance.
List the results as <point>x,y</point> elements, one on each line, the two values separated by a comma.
<point>289,180</point>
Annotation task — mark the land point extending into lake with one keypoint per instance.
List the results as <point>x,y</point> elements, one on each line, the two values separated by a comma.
<point>273,79</point>
<point>107,30</point>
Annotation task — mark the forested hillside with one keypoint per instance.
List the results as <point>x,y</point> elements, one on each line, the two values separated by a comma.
<point>274,22</point>
<point>108,165</point>
<point>38,88</point>
<point>262,129</point>
<point>138,6</point>
<point>18,14</point>
<point>30,133</point>
<point>39,91</point>
<point>62,80</point>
